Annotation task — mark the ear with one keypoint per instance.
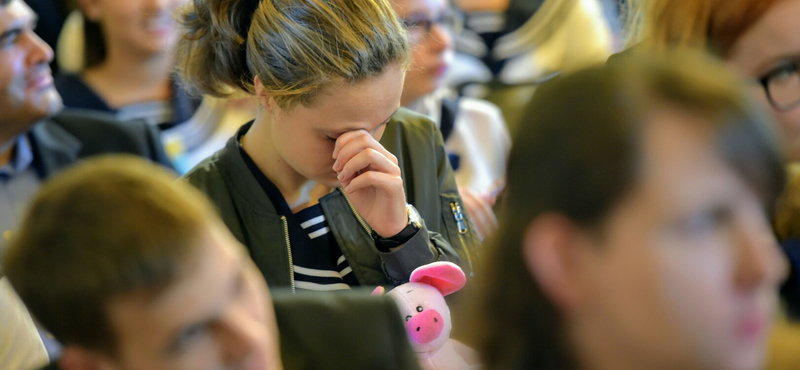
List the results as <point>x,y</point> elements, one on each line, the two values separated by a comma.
<point>90,9</point>
<point>549,251</point>
<point>446,277</point>
<point>379,291</point>
<point>76,358</point>
<point>264,98</point>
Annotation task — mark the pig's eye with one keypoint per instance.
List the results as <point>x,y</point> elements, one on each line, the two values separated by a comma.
<point>419,308</point>
<point>408,317</point>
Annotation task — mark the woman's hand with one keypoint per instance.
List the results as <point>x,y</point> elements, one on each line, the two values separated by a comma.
<point>370,177</point>
<point>479,208</point>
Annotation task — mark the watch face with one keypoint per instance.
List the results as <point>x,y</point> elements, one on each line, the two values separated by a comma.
<point>413,216</point>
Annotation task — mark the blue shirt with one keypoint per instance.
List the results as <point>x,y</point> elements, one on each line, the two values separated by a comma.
<point>18,183</point>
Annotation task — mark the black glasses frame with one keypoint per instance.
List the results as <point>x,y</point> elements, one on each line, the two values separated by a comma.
<point>764,81</point>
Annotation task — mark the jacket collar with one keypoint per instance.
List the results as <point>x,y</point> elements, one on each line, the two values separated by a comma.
<point>53,147</point>
<point>245,186</point>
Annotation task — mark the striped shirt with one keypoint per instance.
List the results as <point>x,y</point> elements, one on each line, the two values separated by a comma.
<point>320,264</point>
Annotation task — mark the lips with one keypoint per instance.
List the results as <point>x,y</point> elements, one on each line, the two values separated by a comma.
<point>42,80</point>
<point>752,326</point>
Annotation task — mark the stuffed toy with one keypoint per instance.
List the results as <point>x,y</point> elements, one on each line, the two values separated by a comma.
<point>427,317</point>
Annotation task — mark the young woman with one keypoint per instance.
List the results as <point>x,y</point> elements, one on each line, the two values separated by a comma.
<point>319,185</point>
<point>127,69</point>
<point>635,233</point>
<point>475,133</point>
<point>759,38</point>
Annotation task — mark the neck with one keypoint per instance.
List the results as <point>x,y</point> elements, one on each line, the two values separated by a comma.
<point>258,145</point>
<point>131,73</point>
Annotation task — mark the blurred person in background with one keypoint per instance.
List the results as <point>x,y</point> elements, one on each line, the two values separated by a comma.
<point>474,131</point>
<point>509,47</point>
<point>758,38</point>
<point>635,231</point>
<point>133,270</point>
<point>37,139</point>
<point>125,67</point>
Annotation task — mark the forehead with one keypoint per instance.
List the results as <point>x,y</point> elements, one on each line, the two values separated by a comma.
<point>15,14</point>
<point>203,282</point>
<point>680,165</point>
<point>775,35</point>
<point>364,104</point>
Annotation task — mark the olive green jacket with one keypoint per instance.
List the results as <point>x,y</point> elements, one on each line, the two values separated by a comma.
<point>429,184</point>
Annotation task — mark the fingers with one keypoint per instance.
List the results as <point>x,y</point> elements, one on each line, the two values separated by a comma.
<point>367,160</point>
<point>480,212</point>
<point>390,184</point>
<point>351,143</point>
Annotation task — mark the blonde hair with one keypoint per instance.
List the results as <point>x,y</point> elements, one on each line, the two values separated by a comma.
<point>714,25</point>
<point>297,48</point>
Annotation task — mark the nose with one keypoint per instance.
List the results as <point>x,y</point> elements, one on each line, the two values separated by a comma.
<point>240,337</point>
<point>759,259</point>
<point>39,52</point>
<point>425,327</point>
<point>440,37</point>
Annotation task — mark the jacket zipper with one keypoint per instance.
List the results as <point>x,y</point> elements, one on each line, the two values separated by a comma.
<point>358,217</point>
<point>288,249</point>
<point>462,229</point>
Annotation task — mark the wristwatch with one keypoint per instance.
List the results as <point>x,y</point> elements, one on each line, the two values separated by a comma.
<point>414,225</point>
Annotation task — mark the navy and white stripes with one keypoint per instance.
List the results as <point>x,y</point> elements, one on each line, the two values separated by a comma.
<point>323,267</point>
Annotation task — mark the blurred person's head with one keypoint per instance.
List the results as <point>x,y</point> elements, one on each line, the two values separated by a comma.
<point>318,69</point>
<point>27,93</point>
<point>430,24</point>
<point>132,270</point>
<point>759,38</point>
<point>635,232</point>
<point>140,27</point>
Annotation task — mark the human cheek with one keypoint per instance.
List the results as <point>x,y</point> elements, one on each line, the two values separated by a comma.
<point>789,126</point>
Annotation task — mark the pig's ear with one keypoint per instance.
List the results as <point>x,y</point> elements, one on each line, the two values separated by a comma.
<point>379,291</point>
<point>446,277</point>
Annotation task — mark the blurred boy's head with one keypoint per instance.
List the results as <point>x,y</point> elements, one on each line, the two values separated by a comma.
<point>132,270</point>
<point>635,232</point>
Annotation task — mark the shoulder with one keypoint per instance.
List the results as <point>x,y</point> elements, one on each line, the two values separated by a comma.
<point>207,172</point>
<point>77,94</point>
<point>93,127</point>
<point>409,125</point>
<point>473,107</point>
<point>101,133</point>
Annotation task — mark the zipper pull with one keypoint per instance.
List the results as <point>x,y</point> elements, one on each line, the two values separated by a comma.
<point>458,214</point>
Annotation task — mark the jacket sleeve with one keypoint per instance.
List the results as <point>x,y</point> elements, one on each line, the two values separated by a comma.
<point>431,188</point>
<point>423,248</point>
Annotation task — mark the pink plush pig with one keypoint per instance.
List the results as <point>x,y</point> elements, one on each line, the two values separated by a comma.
<point>427,317</point>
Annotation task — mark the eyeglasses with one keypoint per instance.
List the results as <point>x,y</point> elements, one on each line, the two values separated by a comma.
<point>452,20</point>
<point>782,85</point>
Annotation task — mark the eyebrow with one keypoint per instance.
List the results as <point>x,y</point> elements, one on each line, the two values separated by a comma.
<point>17,29</point>
<point>776,62</point>
<point>382,123</point>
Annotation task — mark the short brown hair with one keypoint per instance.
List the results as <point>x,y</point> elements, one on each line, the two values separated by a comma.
<point>297,48</point>
<point>577,154</point>
<point>108,226</point>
